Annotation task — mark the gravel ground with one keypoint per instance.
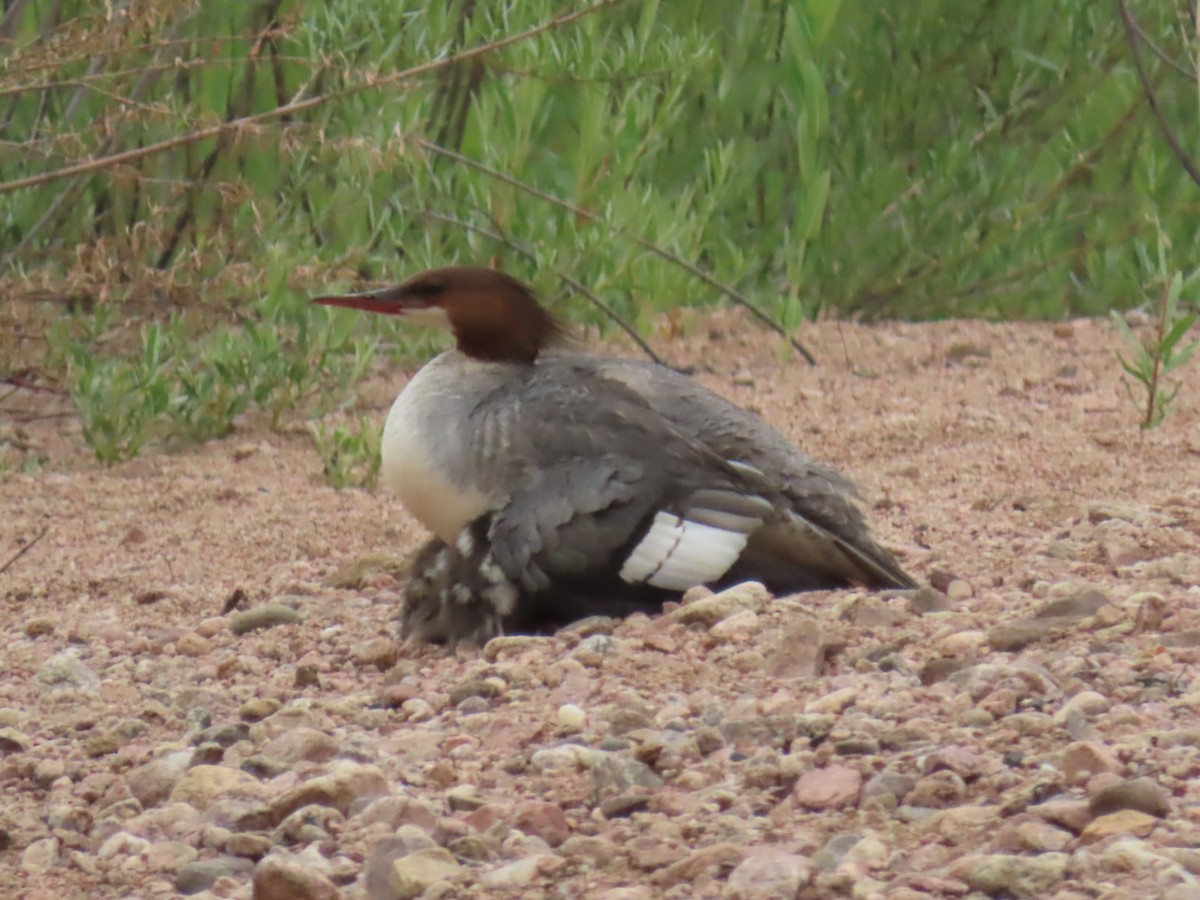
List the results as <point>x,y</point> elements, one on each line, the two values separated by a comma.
<point>203,693</point>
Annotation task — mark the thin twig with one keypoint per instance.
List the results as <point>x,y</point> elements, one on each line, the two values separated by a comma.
<point>19,384</point>
<point>662,252</point>
<point>192,137</point>
<point>4,568</point>
<point>93,81</point>
<point>1131,29</point>
<point>1157,356</point>
<point>1162,54</point>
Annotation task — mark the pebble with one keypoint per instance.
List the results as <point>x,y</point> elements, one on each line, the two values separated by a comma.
<point>613,773</point>
<point>194,877</point>
<point>301,744</point>
<point>553,759</point>
<point>1083,759</point>
<point>1070,814</point>
<point>1086,703</point>
<point>122,844</point>
<point>624,805</point>
<point>833,787</point>
<point>1079,605</point>
<point>413,874</point>
<point>1126,821</point>
<point>738,626</point>
<point>749,595</point>
<point>379,652</point>
<point>278,878</point>
<point>251,846</point>
<point>963,643</point>
<point>153,782</point>
<point>1011,637</point>
<point>511,645</point>
<point>959,589</point>
<point>1042,837</point>
<point>598,851</point>
<point>346,784</point>
<point>1140,794</point>
<point>703,863</point>
<point>888,784</point>
<point>13,741</point>
<point>40,856</point>
<point>36,628</point>
<point>767,874</point>
<point>518,874</point>
<point>833,703</point>
<point>417,710</point>
<point>541,819</point>
<point>1034,877</point>
<point>64,674</point>
<point>168,855</point>
<point>193,645</point>
<point>571,718</point>
<point>269,615</point>
<point>938,790</point>
<point>200,786</point>
<point>258,709</point>
<point>966,762</point>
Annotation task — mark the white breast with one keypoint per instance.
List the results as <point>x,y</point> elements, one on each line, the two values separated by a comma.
<point>410,467</point>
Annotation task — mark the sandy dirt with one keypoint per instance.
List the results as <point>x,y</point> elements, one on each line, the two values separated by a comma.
<point>1031,728</point>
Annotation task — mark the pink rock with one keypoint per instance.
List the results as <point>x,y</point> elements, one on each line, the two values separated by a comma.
<point>541,819</point>
<point>767,874</point>
<point>485,817</point>
<point>833,787</point>
<point>1083,759</point>
<point>965,762</point>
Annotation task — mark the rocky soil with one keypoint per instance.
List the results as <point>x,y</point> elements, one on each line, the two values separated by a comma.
<point>203,693</point>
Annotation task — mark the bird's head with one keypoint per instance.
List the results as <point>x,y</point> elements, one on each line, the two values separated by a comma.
<point>492,316</point>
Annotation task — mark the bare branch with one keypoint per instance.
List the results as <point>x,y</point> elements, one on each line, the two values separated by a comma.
<point>192,137</point>
<point>662,252</point>
<point>12,559</point>
<point>1162,54</point>
<point>1131,33</point>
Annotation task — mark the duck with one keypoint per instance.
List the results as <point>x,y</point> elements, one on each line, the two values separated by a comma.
<point>560,485</point>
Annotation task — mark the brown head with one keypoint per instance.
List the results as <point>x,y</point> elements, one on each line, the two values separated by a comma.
<point>493,316</point>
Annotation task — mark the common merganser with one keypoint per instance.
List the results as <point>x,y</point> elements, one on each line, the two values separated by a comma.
<point>560,485</point>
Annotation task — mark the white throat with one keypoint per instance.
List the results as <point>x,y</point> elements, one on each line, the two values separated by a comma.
<point>422,450</point>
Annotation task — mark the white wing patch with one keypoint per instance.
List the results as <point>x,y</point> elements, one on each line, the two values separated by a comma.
<point>677,554</point>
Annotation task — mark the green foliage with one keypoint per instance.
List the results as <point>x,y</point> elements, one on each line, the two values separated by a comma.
<point>1001,159</point>
<point>350,458</point>
<point>179,389</point>
<point>1149,362</point>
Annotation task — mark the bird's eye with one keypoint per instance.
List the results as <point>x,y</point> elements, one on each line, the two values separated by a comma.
<point>425,290</point>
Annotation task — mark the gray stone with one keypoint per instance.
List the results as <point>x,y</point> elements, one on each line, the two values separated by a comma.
<point>888,784</point>
<point>418,871</point>
<point>279,878</point>
<point>153,782</point>
<point>711,610</point>
<point>613,773</point>
<point>1140,794</point>
<point>194,877</point>
<point>766,875</point>
<point>63,674</point>
<point>301,745</point>
<point>1003,875</point>
<point>514,875</point>
<point>267,616</point>
<point>1085,603</point>
<point>13,741</point>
